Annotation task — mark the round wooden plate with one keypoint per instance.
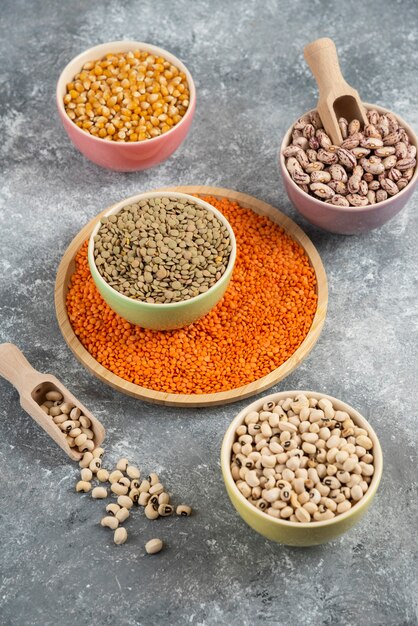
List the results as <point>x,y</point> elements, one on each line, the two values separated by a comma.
<point>67,267</point>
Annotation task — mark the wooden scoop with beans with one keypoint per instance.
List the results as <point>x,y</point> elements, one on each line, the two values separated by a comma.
<point>51,405</point>
<point>336,98</point>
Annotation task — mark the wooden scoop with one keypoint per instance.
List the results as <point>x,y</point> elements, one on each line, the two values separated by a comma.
<point>336,97</point>
<point>32,387</point>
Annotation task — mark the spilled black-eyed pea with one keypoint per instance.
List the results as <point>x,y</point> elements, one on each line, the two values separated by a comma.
<point>125,502</point>
<point>83,485</point>
<point>183,510</point>
<point>134,495</point>
<point>122,464</point>
<point>113,508</point>
<point>165,509</point>
<point>122,514</point>
<point>150,512</point>
<point>110,521</point>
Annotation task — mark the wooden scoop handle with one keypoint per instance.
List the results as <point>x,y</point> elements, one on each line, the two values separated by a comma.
<point>15,368</point>
<point>321,56</point>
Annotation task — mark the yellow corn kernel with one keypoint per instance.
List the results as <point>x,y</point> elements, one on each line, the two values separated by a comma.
<point>102,133</point>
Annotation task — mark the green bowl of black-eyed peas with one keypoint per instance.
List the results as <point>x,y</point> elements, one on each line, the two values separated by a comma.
<point>301,467</point>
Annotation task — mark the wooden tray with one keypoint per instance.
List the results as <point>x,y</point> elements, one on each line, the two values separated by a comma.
<point>67,267</point>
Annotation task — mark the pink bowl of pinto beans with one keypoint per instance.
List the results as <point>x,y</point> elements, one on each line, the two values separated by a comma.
<point>358,186</point>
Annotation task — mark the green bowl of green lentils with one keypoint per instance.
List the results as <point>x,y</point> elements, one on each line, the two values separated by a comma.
<point>162,260</point>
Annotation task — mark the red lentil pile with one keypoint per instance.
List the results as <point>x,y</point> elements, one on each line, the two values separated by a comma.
<point>263,318</point>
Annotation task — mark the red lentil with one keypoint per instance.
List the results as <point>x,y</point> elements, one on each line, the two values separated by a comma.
<point>263,318</point>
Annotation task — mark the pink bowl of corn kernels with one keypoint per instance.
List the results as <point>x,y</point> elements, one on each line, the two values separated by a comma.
<point>120,155</point>
<point>347,220</point>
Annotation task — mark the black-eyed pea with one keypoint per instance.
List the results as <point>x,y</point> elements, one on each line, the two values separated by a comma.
<point>346,492</point>
<point>324,433</point>
<point>321,517</point>
<point>112,508</point>
<point>364,486</point>
<point>124,481</point>
<point>85,486</point>
<point>59,419</point>
<point>268,461</point>
<point>354,480</point>
<point>313,474</point>
<point>153,546</point>
<point>303,497</point>
<point>332,482</point>
<point>122,514</point>
<point>135,483</point>
<point>54,411</point>
<point>246,449</point>
<point>241,430</point>
<point>74,432</point>
<point>278,505</point>
<point>298,485</point>
<point>235,472</point>
<point>357,470</point>
<point>66,407</point>
<point>86,474</point>
<point>310,506</point>
<point>122,464</point>
<point>88,446</point>
<point>70,441</point>
<point>125,502</point>
<point>120,535</point>
<point>134,495</point>
<point>343,477</point>
<point>165,510</point>
<point>86,460</point>
<point>151,512</point>
<point>133,472</point>
<point>110,521</point>
<point>273,512</point>
<point>252,478</point>
<point>157,488</point>
<point>302,473</point>
<point>115,476</point>
<point>360,451</point>
<point>331,454</point>
<point>236,447</point>
<point>118,489</point>
<point>350,463</point>
<point>99,493</point>
<point>366,469</point>
<point>143,498</point>
<point>302,515</point>
<point>80,440</point>
<point>323,489</point>
<point>251,418</point>
<point>45,408</point>
<point>262,504</point>
<point>272,494</point>
<point>53,396</point>
<point>244,488</point>
<point>294,502</point>
<point>102,475</point>
<point>356,493</point>
<point>309,484</point>
<point>293,518</point>
<point>293,463</point>
<point>88,432</point>
<point>367,458</point>
<point>256,493</point>
<point>254,429</point>
<point>321,456</point>
<point>343,506</point>
<point>84,421</point>
<point>288,474</point>
<point>309,448</point>
<point>95,465</point>
<point>332,470</point>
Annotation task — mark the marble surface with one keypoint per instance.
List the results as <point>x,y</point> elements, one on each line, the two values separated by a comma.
<point>56,564</point>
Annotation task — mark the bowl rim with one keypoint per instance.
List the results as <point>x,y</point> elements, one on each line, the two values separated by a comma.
<point>350,209</point>
<point>256,405</point>
<point>75,64</point>
<point>158,194</point>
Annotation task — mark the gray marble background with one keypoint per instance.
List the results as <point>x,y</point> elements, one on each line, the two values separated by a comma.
<point>56,564</point>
